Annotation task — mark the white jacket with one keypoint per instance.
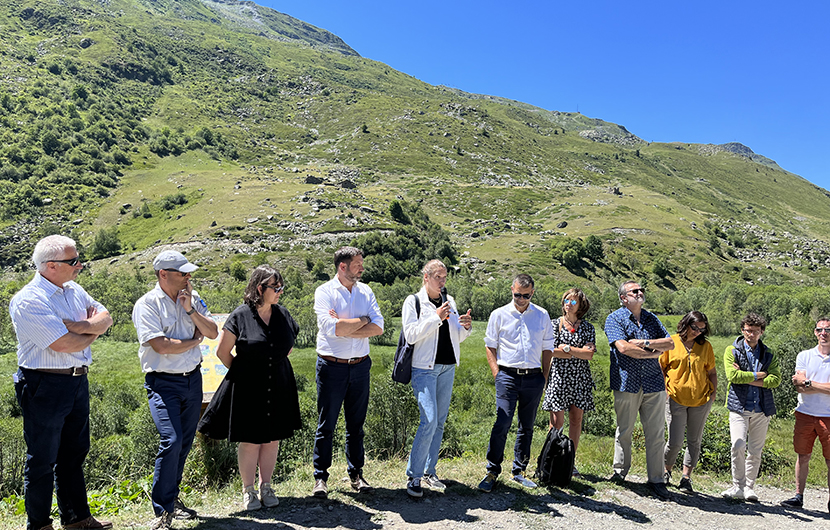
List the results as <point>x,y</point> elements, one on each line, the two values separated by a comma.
<point>422,332</point>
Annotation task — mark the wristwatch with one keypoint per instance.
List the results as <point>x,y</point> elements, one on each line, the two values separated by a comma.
<point>807,383</point>
<point>566,348</point>
<point>192,310</point>
<point>647,343</point>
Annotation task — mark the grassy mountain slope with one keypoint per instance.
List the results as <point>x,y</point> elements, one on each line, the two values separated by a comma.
<point>258,119</point>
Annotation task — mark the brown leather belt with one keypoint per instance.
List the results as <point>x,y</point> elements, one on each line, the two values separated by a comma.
<point>77,370</point>
<point>353,360</point>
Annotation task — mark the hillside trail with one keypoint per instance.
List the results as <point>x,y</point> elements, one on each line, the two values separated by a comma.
<point>586,507</point>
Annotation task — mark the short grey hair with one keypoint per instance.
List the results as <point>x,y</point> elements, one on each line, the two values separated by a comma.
<point>623,291</point>
<point>50,248</point>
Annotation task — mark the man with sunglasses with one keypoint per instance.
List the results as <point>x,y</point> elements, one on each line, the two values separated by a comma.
<point>637,339</point>
<point>752,371</point>
<point>171,321</point>
<point>812,415</point>
<point>56,321</point>
<point>517,336</point>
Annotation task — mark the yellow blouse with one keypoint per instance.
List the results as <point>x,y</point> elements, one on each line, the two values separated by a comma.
<point>687,373</point>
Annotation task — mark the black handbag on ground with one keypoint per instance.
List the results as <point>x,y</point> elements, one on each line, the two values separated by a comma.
<point>402,365</point>
<point>556,461</point>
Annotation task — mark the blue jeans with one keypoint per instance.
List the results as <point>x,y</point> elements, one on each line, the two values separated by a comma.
<point>175,405</point>
<point>56,431</point>
<point>512,390</point>
<point>347,386</point>
<point>433,390</point>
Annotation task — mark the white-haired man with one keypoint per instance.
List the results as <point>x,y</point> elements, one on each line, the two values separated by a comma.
<point>56,321</point>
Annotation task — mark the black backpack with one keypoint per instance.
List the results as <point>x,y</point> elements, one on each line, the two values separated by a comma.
<point>402,363</point>
<point>556,461</point>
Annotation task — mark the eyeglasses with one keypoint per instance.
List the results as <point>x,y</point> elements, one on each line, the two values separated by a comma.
<point>637,291</point>
<point>695,328</point>
<point>277,288</point>
<point>520,295</point>
<point>174,270</point>
<point>571,302</point>
<point>822,330</point>
<point>752,331</point>
<point>71,261</point>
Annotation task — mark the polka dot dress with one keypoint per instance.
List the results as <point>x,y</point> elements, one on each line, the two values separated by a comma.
<point>570,381</point>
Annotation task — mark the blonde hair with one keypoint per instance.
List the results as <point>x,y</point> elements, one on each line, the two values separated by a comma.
<point>432,267</point>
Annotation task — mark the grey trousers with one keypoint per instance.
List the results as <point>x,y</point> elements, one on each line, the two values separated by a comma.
<point>651,408</point>
<point>688,421</point>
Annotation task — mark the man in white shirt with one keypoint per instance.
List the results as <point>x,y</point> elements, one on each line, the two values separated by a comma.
<point>56,321</point>
<point>812,415</point>
<point>347,315</point>
<point>517,336</point>
<point>171,321</point>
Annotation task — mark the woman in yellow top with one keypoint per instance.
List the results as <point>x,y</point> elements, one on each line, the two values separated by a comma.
<point>691,384</point>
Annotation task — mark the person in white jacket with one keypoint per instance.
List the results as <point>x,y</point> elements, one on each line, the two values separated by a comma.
<point>435,329</point>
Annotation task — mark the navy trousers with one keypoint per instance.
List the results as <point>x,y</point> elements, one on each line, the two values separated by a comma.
<point>56,431</point>
<point>512,391</point>
<point>175,404</point>
<point>345,385</point>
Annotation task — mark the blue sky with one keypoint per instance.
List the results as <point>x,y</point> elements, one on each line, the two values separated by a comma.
<point>703,72</point>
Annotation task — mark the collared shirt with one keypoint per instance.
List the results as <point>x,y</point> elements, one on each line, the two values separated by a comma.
<point>37,312</point>
<point>359,302</point>
<point>157,315</point>
<point>687,372</point>
<point>817,368</point>
<point>519,338</point>
<point>627,373</point>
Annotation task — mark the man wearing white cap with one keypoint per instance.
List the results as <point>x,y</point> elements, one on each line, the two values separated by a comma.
<point>171,321</point>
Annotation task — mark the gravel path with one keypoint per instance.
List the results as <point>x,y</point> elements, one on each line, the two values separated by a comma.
<point>593,504</point>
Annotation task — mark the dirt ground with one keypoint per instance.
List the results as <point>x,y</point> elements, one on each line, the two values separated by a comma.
<point>593,503</point>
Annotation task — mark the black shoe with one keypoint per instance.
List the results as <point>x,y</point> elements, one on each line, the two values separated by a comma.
<point>180,511</point>
<point>797,502</point>
<point>659,490</point>
<point>617,478</point>
<point>413,487</point>
<point>685,485</point>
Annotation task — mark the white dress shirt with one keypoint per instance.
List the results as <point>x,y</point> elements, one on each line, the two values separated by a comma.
<point>519,338</point>
<point>359,302</point>
<point>37,312</point>
<point>157,315</point>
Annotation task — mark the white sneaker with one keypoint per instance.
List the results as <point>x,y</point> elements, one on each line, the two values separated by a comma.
<point>524,481</point>
<point>250,500</point>
<point>267,496</point>
<point>750,495</point>
<point>433,482</point>
<point>735,492</point>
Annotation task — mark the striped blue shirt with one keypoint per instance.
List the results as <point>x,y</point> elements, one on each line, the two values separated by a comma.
<point>38,311</point>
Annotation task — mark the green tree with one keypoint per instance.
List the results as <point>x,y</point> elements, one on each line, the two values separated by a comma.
<point>105,244</point>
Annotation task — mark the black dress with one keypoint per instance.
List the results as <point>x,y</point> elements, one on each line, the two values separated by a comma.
<point>257,401</point>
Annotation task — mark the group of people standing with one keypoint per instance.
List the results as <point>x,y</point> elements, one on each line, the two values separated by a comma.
<point>665,379</point>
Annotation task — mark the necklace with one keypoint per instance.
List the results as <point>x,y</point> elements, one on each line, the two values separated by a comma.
<point>689,348</point>
<point>572,326</point>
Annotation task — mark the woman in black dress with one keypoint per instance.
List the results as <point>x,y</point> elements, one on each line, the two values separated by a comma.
<point>257,403</point>
<point>569,383</point>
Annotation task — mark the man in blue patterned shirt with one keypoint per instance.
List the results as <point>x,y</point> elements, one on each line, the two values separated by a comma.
<point>56,321</point>
<point>637,338</point>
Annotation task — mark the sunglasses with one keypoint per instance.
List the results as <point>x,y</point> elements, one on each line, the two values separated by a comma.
<point>571,302</point>
<point>174,270</point>
<point>637,291</point>
<point>277,288</point>
<point>695,328</point>
<point>520,295</point>
<point>822,330</point>
<point>71,261</point>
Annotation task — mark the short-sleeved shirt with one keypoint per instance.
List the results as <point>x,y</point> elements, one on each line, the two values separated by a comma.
<point>157,315</point>
<point>687,373</point>
<point>358,302</point>
<point>37,312</point>
<point>627,373</point>
<point>817,368</point>
<point>519,338</point>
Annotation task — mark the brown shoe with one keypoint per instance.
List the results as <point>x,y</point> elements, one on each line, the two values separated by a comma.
<point>90,522</point>
<point>321,490</point>
<point>359,484</point>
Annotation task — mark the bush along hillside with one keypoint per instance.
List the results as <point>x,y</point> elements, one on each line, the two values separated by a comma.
<point>278,134</point>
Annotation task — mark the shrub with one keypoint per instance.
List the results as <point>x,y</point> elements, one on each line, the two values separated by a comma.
<point>105,244</point>
<point>392,418</point>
